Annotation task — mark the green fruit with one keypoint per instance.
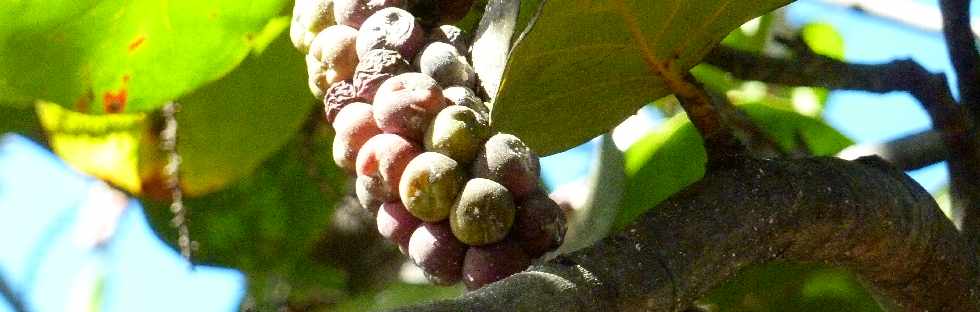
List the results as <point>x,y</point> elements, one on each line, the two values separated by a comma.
<point>483,213</point>
<point>457,132</point>
<point>429,186</point>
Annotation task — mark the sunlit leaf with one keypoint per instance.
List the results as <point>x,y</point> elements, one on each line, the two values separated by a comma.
<point>672,157</point>
<point>584,66</point>
<point>123,56</point>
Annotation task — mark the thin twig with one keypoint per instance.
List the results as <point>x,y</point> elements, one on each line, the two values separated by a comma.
<point>720,142</point>
<point>8,293</point>
<point>963,52</point>
<point>910,152</point>
<point>168,143</point>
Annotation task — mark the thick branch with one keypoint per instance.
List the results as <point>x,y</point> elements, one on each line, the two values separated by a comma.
<point>864,216</point>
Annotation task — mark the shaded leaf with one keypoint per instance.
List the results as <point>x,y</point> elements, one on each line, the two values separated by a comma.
<point>784,286</point>
<point>123,56</point>
<point>584,66</point>
<point>227,128</point>
<point>672,157</point>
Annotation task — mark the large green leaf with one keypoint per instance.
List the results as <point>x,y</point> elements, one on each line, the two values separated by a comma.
<point>228,127</point>
<point>122,56</point>
<point>672,157</point>
<point>267,223</point>
<point>584,66</point>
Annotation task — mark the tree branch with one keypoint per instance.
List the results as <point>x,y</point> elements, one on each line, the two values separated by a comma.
<point>861,215</point>
<point>963,52</point>
<point>720,142</point>
<point>12,298</point>
<point>907,153</point>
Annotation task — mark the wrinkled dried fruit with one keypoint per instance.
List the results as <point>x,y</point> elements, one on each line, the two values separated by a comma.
<point>507,160</point>
<point>374,68</point>
<point>339,95</point>
<point>429,186</point>
<point>483,213</point>
<point>392,29</point>
<point>457,132</point>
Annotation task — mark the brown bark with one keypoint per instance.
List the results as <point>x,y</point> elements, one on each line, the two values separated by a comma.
<point>862,215</point>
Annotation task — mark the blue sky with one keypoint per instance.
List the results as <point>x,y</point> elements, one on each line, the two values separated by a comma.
<point>40,256</point>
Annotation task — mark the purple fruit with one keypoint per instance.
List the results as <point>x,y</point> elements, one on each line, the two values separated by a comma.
<point>392,29</point>
<point>339,95</point>
<point>405,104</point>
<point>487,264</point>
<point>372,192</point>
<point>434,249</point>
<point>353,126</point>
<point>452,35</point>
<point>332,58</point>
<point>507,160</point>
<point>354,12</point>
<point>374,68</point>
<point>396,224</point>
<point>443,63</point>
<point>540,225</point>
<point>385,156</point>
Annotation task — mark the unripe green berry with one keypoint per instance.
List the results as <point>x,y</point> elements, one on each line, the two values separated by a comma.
<point>483,213</point>
<point>429,186</point>
<point>457,132</point>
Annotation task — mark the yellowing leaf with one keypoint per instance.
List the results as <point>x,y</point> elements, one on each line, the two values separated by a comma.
<point>105,146</point>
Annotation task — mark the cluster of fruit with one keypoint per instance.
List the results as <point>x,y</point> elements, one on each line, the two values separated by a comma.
<point>463,202</point>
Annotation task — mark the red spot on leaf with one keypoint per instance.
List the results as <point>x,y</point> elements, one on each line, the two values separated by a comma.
<point>136,43</point>
<point>115,102</point>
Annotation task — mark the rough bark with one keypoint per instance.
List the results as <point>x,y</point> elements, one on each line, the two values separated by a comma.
<point>862,215</point>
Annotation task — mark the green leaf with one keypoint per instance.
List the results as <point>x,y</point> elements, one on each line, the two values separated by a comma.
<point>672,157</point>
<point>398,295</point>
<point>123,56</point>
<point>266,224</point>
<point>20,119</point>
<point>105,146</point>
<point>751,36</point>
<point>584,66</point>
<point>228,127</point>
<point>785,286</point>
